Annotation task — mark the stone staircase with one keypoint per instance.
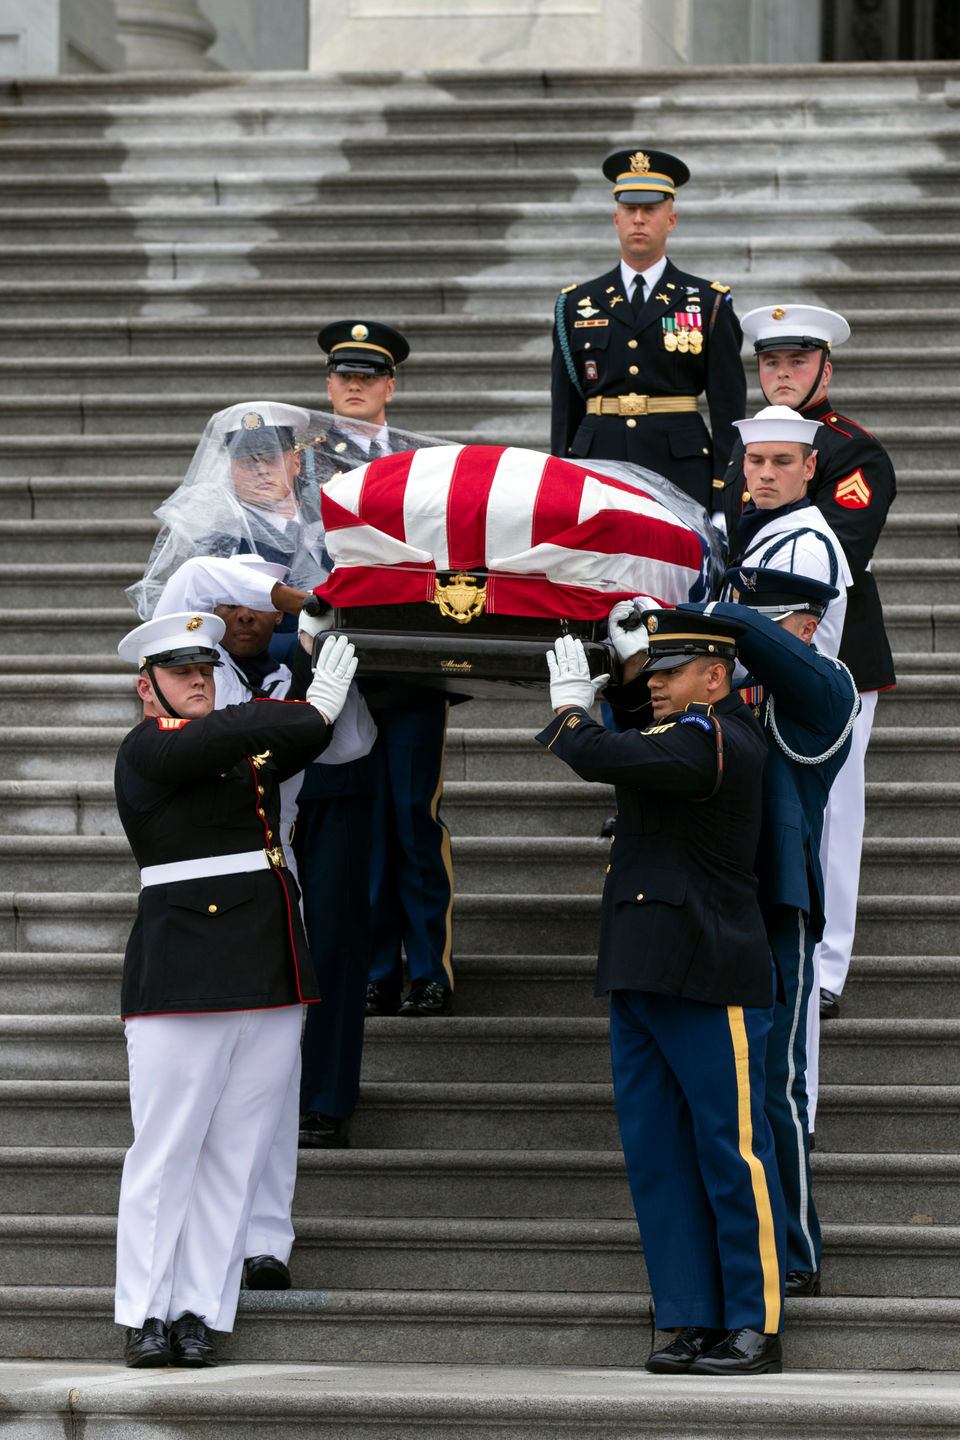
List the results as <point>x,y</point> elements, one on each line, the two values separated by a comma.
<point>169,245</point>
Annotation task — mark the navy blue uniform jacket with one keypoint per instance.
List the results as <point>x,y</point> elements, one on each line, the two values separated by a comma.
<point>854,486</point>
<point>197,788</point>
<point>813,697</point>
<point>615,352</point>
<point>680,913</point>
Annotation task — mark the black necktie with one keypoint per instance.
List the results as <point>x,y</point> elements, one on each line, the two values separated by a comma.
<point>374,453</point>
<point>636,300</point>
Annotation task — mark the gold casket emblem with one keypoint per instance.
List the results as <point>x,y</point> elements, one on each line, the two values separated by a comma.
<point>461,599</point>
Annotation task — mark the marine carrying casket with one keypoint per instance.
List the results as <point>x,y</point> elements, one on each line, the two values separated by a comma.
<point>458,566</point>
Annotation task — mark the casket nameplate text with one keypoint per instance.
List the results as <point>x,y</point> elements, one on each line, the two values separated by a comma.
<point>462,599</point>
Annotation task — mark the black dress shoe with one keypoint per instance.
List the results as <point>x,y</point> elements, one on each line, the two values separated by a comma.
<point>427,997</point>
<point>322,1132</point>
<point>802,1282</point>
<point>382,998</point>
<point>265,1272</point>
<point>147,1348</point>
<point>677,1357</point>
<point>192,1342</point>
<point>741,1352</point>
<point>829,1005</point>
<point>609,828</point>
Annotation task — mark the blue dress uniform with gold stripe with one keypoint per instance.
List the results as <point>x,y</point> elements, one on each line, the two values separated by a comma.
<point>813,700</point>
<point>685,958</point>
<point>684,342</point>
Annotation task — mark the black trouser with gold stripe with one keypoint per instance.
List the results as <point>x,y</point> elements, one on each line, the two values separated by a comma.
<point>689,1085</point>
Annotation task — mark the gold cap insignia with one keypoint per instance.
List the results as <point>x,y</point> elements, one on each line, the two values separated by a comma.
<point>777,313</point>
<point>252,421</point>
<point>639,163</point>
<point>653,624</point>
<point>461,599</point>
<point>359,332</point>
<point>195,623</point>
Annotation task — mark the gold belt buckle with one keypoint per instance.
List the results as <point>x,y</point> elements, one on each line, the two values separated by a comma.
<point>633,404</point>
<point>275,858</point>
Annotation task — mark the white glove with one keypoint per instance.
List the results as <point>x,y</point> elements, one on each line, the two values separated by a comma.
<point>336,667</point>
<point>570,682</point>
<point>633,640</point>
<point>313,625</point>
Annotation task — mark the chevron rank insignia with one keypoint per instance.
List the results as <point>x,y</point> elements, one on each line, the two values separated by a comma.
<point>574,721</point>
<point>167,723</point>
<point>853,493</point>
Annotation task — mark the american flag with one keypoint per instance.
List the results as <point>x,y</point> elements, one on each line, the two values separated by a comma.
<point>555,539</point>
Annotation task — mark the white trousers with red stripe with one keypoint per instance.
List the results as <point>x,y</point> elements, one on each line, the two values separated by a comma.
<point>207,1094</point>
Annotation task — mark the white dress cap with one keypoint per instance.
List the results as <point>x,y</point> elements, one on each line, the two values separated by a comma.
<point>188,637</point>
<point>794,327</point>
<point>777,422</point>
<point>253,414</point>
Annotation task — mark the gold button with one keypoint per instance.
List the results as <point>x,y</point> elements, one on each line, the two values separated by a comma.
<point>587,346</point>
<point>260,787</point>
<point>706,450</point>
<point>632,344</point>
<point>634,370</point>
<point>269,834</point>
<point>632,424</point>
<point>260,813</point>
<point>341,447</point>
<point>640,896</point>
<point>212,909</point>
<point>607,871</point>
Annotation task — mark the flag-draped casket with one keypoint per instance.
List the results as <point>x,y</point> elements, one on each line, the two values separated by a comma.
<point>448,559</point>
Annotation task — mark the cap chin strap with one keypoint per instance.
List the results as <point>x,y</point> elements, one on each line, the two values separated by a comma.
<point>815,386</point>
<point>152,674</point>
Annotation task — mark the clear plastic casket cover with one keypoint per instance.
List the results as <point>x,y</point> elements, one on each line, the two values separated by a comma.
<point>253,487</point>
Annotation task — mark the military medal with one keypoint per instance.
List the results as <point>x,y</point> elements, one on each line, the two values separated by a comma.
<point>586,307</point>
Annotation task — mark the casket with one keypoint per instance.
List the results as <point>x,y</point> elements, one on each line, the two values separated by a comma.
<point>457,567</point>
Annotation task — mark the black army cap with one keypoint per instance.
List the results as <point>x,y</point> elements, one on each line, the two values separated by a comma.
<point>778,592</point>
<point>362,347</point>
<point>644,177</point>
<point>675,637</point>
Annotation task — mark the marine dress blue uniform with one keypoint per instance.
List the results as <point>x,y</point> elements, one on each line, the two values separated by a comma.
<point>814,704</point>
<point>684,956</point>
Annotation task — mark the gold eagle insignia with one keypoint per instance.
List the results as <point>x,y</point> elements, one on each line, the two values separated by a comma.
<point>462,599</point>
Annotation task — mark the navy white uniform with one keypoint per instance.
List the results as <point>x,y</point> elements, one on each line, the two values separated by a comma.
<point>614,352</point>
<point>813,704</point>
<point>684,956</point>
<point>215,973</point>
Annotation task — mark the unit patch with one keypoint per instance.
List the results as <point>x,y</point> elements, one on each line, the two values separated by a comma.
<point>696,720</point>
<point>853,493</point>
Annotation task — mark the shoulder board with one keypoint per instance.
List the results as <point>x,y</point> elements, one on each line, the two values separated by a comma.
<point>166,722</point>
<point>567,288</point>
<point>715,285</point>
<point>700,720</point>
<point>659,729</point>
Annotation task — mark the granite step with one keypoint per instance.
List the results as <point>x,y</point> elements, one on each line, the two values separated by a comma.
<point>268,215</point>
<point>566,924</point>
<point>396,1252</point>
<point>761,258</point>
<point>895,987</point>
<point>898,754</point>
<point>433,1402</point>
<point>433,112</point>
<point>538,1116</point>
<point>498,864</point>
<point>516,1049</point>
<point>483,291</point>
<point>484,1327</point>
<point>290,336</point>
<point>896,1188</point>
<point>927,138</point>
